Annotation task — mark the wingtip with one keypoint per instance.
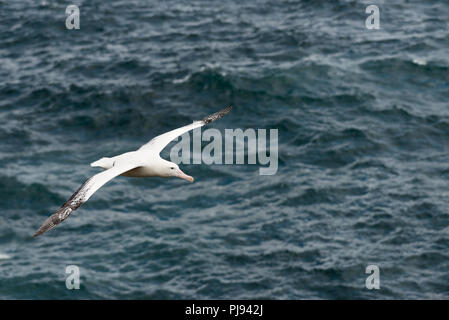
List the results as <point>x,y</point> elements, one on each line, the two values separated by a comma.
<point>226,110</point>
<point>47,225</point>
<point>217,115</point>
<point>40,231</point>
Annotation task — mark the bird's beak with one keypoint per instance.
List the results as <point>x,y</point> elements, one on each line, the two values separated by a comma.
<point>184,176</point>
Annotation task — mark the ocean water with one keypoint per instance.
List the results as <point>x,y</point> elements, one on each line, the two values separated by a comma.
<point>363,123</point>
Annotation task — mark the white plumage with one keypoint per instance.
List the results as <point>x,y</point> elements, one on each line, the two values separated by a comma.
<point>144,162</point>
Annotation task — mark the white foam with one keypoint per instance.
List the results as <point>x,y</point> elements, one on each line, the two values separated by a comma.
<point>185,79</point>
<point>4,256</point>
<point>420,61</point>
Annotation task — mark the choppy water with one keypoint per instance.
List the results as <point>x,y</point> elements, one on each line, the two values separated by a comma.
<point>363,123</point>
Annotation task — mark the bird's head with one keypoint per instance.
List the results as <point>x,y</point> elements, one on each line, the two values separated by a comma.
<point>172,170</point>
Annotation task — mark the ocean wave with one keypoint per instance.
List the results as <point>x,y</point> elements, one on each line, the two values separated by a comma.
<point>363,126</point>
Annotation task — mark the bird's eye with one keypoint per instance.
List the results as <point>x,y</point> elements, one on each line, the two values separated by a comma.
<point>172,168</point>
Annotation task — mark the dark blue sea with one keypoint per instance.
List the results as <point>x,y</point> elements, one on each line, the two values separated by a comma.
<point>363,139</point>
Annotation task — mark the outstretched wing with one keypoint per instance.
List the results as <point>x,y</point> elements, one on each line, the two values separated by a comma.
<point>160,142</point>
<point>82,195</point>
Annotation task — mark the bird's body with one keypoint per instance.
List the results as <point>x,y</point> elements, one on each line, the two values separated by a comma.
<point>142,172</point>
<point>144,162</point>
<point>151,162</point>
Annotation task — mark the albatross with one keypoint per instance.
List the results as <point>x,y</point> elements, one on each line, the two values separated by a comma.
<point>144,162</point>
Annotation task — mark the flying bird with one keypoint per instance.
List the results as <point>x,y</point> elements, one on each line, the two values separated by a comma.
<point>144,162</point>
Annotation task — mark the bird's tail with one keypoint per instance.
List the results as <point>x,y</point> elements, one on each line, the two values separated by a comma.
<point>105,163</point>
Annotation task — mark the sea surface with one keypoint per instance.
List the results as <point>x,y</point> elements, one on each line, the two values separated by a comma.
<point>363,123</point>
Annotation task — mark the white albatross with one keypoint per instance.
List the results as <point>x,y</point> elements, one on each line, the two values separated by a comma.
<point>144,162</point>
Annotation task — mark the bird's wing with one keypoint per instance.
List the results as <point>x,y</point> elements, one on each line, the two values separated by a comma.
<point>160,142</point>
<point>84,192</point>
